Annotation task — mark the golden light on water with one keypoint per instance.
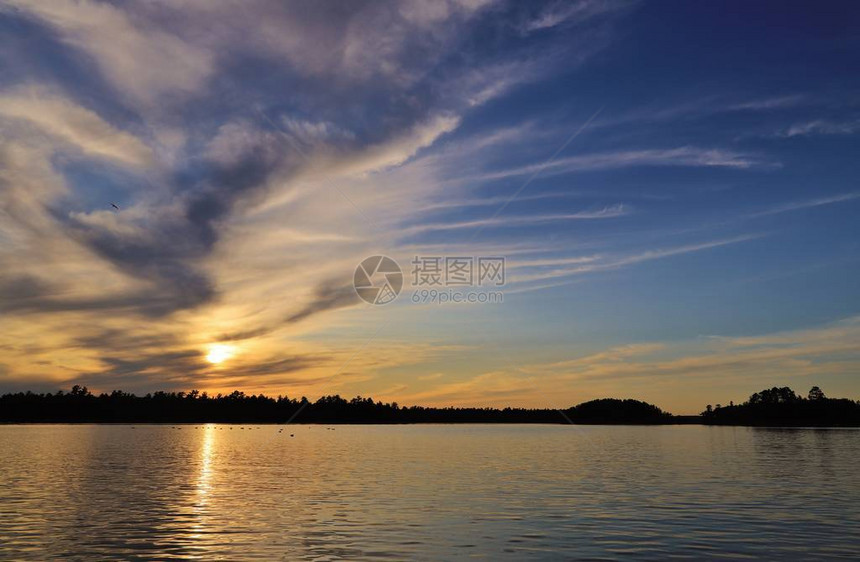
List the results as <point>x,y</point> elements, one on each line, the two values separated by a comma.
<point>205,476</point>
<point>218,353</point>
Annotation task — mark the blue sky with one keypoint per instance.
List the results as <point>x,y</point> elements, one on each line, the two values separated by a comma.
<point>673,185</point>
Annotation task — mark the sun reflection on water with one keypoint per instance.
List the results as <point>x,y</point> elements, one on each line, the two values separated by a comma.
<point>205,476</point>
<point>203,486</point>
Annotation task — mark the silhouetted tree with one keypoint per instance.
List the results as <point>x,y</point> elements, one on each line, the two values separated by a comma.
<point>781,406</point>
<point>176,407</point>
<point>774,396</point>
<point>815,393</point>
<point>79,390</point>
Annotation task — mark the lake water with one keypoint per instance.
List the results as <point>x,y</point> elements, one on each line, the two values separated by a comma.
<point>427,492</point>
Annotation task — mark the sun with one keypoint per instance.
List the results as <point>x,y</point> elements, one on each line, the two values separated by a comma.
<point>219,352</point>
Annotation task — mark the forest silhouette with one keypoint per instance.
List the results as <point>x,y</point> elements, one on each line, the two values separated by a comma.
<point>783,407</point>
<point>776,406</point>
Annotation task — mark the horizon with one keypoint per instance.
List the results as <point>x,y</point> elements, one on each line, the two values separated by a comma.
<point>577,200</point>
<point>205,394</point>
<point>774,407</point>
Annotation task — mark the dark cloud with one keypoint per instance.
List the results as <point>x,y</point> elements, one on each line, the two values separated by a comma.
<point>181,368</point>
<point>327,297</point>
<point>19,290</point>
<point>23,294</point>
<point>172,242</point>
<point>187,369</point>
<point>121,340</point>
<point>155,303</point>
<point>188,361</point>
<point>35,382</point>
<point>145,372</point>
<point>245,334</point>
<point>280,366</point>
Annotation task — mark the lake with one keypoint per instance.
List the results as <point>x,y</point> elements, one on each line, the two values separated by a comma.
<point>427,492</point>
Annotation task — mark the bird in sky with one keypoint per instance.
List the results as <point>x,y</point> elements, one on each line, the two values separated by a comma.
<point>115,206</point>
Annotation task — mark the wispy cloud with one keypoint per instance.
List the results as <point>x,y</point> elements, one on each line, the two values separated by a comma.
<point>683,156</point>
<point>709,106</point>
<point>613,211</point>
<point>590,264</point>
<point>77,127</point>
<point>679,250</point>
<point>807,204</point>
<point>137,56</point>
<point>822,127</point>
<point>778,102</point>
<point>573,13</point>
<point>748,363</point>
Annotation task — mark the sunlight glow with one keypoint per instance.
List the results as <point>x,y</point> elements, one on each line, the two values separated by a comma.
<point>218,353</point>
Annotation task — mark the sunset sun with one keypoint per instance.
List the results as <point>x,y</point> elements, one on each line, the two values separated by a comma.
<point>218,353</point>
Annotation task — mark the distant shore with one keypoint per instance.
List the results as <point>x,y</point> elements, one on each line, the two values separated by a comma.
<point>779,407</point>
<point>674,422</point>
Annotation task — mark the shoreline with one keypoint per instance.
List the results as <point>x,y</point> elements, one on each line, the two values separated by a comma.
<point>323,424</point>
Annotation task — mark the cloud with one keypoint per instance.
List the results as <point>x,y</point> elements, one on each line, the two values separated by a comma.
<point>679,250</point>
<point>822,127</point>
<point>160,253</point>
<point>592,264</point>
<point>279,366</point>
<point>327,297</point>
<point>146,258</point>
<point>675,374</point>
<point>138,58</point>
<point>684,111</point>
<point>778,102</point>
<point>613,211</point>
<point>75,126</point>
<point>573,13</point>
<point>164,242</point>
<point>315,132</point>
<point>157,253</point>
<point>17,290</point>
<point>496,387</point>
<point>159,52</point>
<point>544,262</point>
<point>788,354</point>
<point>236,141</point>
<point>683,156</point>
<point>34,234</point>
<point>807,204</point>
<point>396,151</point>
<point>494,201</point>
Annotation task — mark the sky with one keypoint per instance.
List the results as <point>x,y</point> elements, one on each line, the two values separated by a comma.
<point>187,188</point>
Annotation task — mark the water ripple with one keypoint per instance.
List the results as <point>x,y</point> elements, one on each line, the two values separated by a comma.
<point>427,492</point>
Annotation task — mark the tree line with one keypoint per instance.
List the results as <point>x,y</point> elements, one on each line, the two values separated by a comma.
<point>775,406</point>
<point>81,406</point>
<point>783,407</point>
